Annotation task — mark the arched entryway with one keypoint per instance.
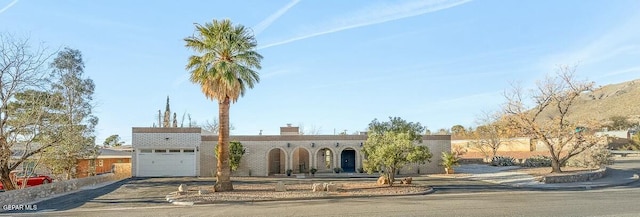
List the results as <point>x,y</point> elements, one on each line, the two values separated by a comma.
<point>348,160</point>
<point>324,160</point>
<point>276,161</point>
<point>300,160</point>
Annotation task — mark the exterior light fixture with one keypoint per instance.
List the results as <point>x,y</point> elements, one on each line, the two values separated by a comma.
<point>288,144</point>
<point>337,144</point>
<point>361,144</point>
<point>313,144</point>
<point>166,138</point>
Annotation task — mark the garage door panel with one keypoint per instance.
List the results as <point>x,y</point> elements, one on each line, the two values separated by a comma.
<point>166,164</point>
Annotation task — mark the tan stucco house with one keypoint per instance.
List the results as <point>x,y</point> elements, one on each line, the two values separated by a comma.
<point>160,152</point>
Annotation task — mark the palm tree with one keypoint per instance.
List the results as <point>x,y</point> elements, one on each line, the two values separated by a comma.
<point>224,67</point>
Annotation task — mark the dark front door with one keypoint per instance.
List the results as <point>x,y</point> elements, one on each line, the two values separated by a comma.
<point>348,158</point>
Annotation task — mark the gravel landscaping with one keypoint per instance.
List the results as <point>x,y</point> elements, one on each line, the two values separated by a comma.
<point>541,171</point>
<point>247,191</point>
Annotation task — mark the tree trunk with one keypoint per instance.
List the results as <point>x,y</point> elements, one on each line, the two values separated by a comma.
<point>555,165</point>
<point>223,175</point>
<point>5,177</point>
<point>392,176</point>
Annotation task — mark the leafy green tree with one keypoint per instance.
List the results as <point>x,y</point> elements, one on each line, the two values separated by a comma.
<point>236,151</point>
<point>224,67</point>
<point>112,141</point>
<point>74,95</point>
<point>391,145</point>
<point>458,130</point>
<point>397,124</point>
<point>26,107</point>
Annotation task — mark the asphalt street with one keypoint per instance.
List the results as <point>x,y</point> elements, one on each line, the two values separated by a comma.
<point>618,201</point>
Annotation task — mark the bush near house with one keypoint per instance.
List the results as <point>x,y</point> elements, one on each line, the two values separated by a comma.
<point>502,161</point>
<point>537,161</point>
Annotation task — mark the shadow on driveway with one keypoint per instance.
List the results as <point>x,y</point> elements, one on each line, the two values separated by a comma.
<point>131,192</point>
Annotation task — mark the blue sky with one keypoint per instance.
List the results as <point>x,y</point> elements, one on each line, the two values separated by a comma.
<point>335,65</point>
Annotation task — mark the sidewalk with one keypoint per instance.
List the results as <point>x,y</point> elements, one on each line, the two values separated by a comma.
<point>616,176</point>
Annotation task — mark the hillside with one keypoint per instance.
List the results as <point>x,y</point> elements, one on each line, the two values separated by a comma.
<point>621,99</point>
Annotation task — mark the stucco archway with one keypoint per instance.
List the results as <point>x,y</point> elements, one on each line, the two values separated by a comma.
<point>325,160</point>
<point>276,161</point>
<point>300,159</point>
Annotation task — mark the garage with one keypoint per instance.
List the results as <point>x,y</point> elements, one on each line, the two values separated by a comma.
<point>166,162</point>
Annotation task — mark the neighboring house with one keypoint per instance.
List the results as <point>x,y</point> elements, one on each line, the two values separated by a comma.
<point>161,152</point>
<point>616,139</point>
<point>618,134</point>
<point>32,164</point>
<point>104,163</point>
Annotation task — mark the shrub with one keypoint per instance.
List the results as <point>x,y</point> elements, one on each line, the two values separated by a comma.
<point>537,161</point>
<point>313,170</point>
<point>594,157</point>
<point>337,170</point>
<point>502,161</point>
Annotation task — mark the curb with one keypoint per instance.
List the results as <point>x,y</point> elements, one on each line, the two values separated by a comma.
<point>173,201</point>
<point>583,187</point>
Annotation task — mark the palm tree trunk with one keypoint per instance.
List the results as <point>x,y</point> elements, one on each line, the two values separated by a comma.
<point>223,179</point>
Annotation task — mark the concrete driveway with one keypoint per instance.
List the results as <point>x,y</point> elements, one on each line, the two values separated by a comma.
<point>128,193</point>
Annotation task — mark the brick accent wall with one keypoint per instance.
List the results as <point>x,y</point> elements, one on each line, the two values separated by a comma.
<point>154,138</point>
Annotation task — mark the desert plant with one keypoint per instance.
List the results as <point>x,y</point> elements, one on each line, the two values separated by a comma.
<point>337,170</point>
<point>313,170</point>
<point>502,161</point>
<point>449,160</point>
<point>595,156</point>
<point>537,161</point>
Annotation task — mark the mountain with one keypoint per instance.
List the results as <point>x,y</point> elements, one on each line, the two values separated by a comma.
<point>604,102</point>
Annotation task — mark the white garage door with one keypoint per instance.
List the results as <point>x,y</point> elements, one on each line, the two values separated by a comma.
<point>163,163</point>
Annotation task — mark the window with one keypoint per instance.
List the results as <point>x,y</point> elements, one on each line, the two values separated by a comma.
<point>119,161</point>
<point>174,150</point>
<point>160,151</point>
<point>188,150</point>
<point>28,166</point>
<point>327,158</point>
<point>145,151</point>
<point>101,163</point>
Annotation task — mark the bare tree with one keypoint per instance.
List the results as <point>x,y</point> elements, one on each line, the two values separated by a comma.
<point>213,126</point>
<point>25,105</point>
<point>313,130</point>
<point>490,134</point>
<point>547,118</point>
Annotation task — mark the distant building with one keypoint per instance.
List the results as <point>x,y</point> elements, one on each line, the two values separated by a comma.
<point>104,162</point>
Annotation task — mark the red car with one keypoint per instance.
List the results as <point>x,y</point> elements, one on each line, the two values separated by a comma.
<point>32,180</point>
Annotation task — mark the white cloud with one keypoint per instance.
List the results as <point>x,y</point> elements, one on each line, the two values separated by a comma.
<point>376,14</point>
<point>264,24</point>
<point>8,6</point>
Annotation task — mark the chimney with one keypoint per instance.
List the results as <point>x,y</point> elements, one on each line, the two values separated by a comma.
<point>289,130</point>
